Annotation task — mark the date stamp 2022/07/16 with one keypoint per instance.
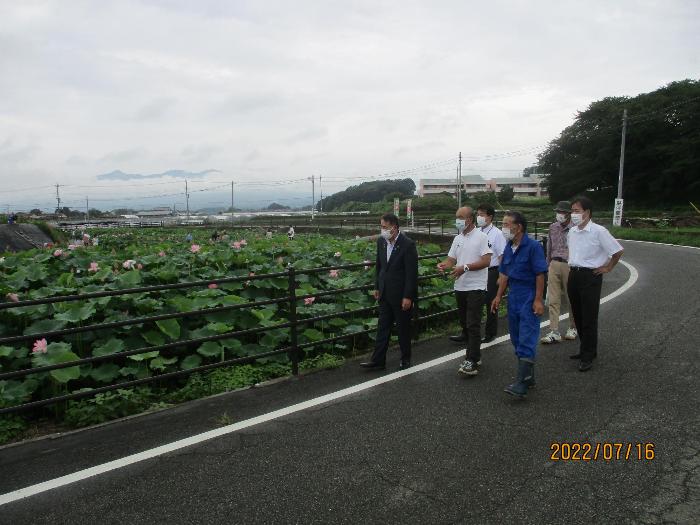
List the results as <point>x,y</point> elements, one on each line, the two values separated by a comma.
<point>602,451</point>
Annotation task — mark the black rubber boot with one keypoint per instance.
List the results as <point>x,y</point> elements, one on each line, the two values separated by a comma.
<point>524,380</point>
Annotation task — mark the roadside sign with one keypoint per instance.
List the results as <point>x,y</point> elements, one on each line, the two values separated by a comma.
<point>617,213</point>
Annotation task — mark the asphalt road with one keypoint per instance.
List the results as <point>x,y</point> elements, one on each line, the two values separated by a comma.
<point>429,447</point>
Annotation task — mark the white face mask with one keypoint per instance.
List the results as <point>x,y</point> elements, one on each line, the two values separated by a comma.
<point>507,233</point>
<point>576,218</point>
<point>480,221</point>
<point>460,225</point>
<point>386,234</point>
<point>561,218</point>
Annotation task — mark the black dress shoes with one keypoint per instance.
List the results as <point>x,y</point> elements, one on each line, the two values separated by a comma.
<point>575,356</point>
<point>488,339</point>
<point>404,365</point>
<point>372,365</point>
<point>585,366</point>
<point>458,338</point>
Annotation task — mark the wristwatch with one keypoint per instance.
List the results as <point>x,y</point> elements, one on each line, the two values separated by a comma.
<point>466,268</point>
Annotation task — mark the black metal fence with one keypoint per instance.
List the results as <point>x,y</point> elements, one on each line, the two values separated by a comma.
<point>293,323</point>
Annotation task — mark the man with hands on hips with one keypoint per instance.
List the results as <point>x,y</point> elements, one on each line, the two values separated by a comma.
<point>469,257</point>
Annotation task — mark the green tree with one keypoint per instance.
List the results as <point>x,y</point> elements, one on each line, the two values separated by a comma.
<point>662,162</point>
<point>506,194</point>
<point>368,192</point>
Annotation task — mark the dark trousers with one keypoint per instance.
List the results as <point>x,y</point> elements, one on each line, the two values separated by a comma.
<point>491,318</point>
<point>469,305</point>
<point>583,289</point>
<point>388,315</point>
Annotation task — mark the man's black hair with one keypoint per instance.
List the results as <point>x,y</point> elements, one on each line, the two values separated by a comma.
<point>391,219</point>
<point>585,202</point>
<point>518,218</point>
<point>490,211</point>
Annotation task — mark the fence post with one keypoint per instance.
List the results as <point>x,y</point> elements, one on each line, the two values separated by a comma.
<point>294,352</point>
<point>442,226</point>
<point>428,227</point>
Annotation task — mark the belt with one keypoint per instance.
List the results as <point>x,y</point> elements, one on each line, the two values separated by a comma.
<point>582,269</point>
<point>560,259</point>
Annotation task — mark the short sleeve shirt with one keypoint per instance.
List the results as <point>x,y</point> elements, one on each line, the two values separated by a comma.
<point>497,243</point>
<point>469,249</point>
<point>523,265</point>
<point>592,246</point>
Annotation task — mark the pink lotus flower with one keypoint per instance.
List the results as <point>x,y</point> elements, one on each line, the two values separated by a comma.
<point>213,286</point>
<point>309,301</point>
<point>139,266</point>
<point>333,273</point>
<point>128,264</point>
<point>58,253</point>
<point>243,242</point>
<point>336,254</point>
<point>93,267</point>
<point>13,297</point>
<point>161,253</point>
<point>236,245</point>
<point>71,246</point>
<point>251,274</point>
<point>195,248</point>
<point>40,346</point>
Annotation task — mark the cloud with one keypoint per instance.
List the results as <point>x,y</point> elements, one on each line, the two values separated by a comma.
<point>179,174</point>
<point>155,109</point>
<point>128,155</point>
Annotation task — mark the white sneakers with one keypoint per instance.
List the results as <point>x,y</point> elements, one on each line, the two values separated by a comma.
<point>551,337</point>
<point>571,334</point>
<point>555,337</point>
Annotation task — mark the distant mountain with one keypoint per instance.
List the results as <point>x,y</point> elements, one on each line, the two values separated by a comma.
<point>180,174</point>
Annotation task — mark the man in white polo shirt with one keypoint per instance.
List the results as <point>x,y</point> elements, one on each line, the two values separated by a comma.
<point>593,251</point>
<point>469,257</point>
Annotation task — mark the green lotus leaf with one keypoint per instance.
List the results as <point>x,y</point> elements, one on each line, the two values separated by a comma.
<point>144,356</point>
<point>129,279</point>
<point>105,373</point>
<point>170,327</point>
<point>191,361</point>
<point>63,375</point>
<point>112,346</point>
<point>160,362</point>
<point>153,338</point>
<point>45,325</point>
<point>74,313</point>
<point>312,334</point>
<point>210,349</point>
<point>6,351</point>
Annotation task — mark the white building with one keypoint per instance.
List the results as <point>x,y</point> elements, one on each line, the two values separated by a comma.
<point>522,186</point>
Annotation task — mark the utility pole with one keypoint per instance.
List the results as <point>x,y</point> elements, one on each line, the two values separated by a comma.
<point>619,203</point>
<point>313,196</point>
<point>320,189</point>
<point>87,209</point>
<point>58,200</point>
<point>459,183</point>
<point>187,200</point>
<point>231,202</point>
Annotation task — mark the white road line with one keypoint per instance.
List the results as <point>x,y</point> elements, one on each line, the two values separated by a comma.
<point>32,490</point>
<point>662,244</point>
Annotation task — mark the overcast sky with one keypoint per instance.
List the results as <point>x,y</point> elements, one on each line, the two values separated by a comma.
<point>277,90</point>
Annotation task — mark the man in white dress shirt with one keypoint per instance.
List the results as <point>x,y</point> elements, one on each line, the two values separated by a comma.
<point>497,243</point>
<point>593,251</point>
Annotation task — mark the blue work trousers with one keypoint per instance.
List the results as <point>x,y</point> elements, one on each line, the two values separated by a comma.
<point>523,324</point>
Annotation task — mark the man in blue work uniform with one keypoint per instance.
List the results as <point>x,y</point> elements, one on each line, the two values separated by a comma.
<point>522,268</point>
